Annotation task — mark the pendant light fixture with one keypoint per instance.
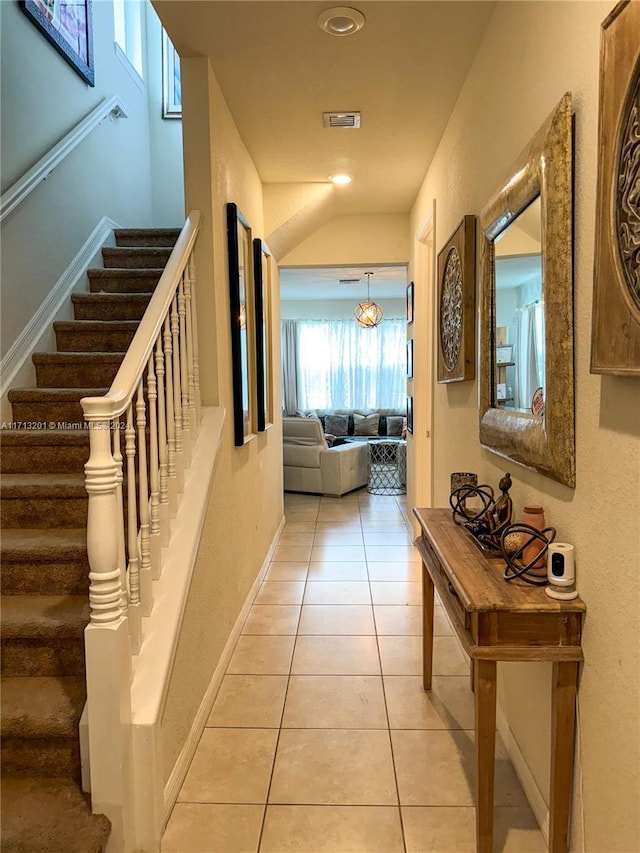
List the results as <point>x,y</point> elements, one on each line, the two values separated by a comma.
<point>368,314</point>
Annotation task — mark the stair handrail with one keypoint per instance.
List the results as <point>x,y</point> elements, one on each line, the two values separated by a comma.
<point>120,394</point>
<point>41,170</point>
<point>141,437</point>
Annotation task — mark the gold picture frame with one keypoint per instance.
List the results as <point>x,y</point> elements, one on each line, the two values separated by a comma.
<point>456,304</point>
<point>615,327</point>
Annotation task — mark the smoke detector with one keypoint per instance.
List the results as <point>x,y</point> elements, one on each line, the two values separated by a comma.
<point>341,21</point>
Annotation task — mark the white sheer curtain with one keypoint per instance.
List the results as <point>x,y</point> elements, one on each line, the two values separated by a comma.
<point>343,366</point>
<point>530,356</point>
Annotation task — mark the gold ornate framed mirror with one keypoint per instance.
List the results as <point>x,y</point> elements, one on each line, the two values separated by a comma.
<point>526,358</point>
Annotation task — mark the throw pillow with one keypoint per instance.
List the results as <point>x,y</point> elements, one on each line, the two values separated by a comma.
<point>394,424</point>
<point>336,424</point>
<point>366,424</point>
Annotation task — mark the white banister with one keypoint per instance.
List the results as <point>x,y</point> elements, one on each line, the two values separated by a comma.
<point>152,397</point>
<point>18,191</point>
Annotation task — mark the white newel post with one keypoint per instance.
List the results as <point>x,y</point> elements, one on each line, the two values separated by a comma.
<point>108,653</point>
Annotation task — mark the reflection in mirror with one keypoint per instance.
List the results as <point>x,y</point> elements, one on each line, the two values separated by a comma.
<point>519,312</point>
<point>527,350</point>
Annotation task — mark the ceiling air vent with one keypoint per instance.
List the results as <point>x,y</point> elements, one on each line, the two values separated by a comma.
<point>346,120</point>
<point>348,281</point>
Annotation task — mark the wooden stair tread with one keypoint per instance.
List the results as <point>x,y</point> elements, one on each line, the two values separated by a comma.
<point>45,706</point>
<point>43,616</point>
<point>20,543</point>
<point>49,816</point>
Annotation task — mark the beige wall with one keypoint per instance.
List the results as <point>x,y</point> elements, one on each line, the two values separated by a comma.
<point>349,240</point>
<point>336,309</point>
<point>246,503</point>
<point>531,55</point>
<point>111,173</point>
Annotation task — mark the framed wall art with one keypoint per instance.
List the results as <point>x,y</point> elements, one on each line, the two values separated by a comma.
<point>456,304</point>
<point>241,301</point>
<point>171,84</point>
<point>615,329</point>
<point>67,24</point>
<point>410,302</point>
<point>410,415</point>
<point>410,358</point>
<point>264,349</point>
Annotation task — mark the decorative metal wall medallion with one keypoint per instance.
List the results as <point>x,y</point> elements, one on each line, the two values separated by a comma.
<point>451,307</point>
<point>456,304</point>
<point>615,324</point>
<point>628,192</point>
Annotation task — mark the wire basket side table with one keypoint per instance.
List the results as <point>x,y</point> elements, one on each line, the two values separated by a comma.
<point>387,467</point>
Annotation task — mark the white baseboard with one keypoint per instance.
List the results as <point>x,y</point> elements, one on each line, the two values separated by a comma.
<point>27,341</point>
<point>183,762</point>
<point>529,785</point>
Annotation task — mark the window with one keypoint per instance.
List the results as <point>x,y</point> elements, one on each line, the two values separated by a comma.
<point>341,366</point>
<point>128,24</point>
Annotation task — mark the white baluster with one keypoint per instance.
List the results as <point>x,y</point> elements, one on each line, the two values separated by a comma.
<point>194,329</point>
<point>146,588</point>
<point>189,332</point>
<point>165,528</point>
<point>171,425</point>
<point>154,488</point>
<point>177,399</point>
<point>135,613</point>
<point>184,379</point>
<point>122,560</point>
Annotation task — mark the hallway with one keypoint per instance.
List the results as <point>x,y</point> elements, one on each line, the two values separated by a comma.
<point>322,717</point>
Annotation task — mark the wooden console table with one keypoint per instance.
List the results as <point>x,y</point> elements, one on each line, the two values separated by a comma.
<point>498,620</point>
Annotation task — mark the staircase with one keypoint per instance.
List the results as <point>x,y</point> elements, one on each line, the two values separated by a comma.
<point>43,512</point>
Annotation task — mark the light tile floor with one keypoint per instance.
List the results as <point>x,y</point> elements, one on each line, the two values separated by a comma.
<point>321,739</point>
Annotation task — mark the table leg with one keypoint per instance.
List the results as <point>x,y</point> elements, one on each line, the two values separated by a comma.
<point>485,708</point>
<point>563,728</point>
<point>427,628</point>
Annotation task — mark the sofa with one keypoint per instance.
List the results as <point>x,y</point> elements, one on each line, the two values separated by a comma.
<point>354,425</point>
<point>310,465</point>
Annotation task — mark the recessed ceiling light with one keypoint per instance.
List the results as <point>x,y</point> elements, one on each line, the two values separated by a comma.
<point>341,21</point>
<point>340,178</point>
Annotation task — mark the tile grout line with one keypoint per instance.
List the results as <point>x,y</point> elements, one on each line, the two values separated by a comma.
<point>386,710</point>
<point>284,703</point>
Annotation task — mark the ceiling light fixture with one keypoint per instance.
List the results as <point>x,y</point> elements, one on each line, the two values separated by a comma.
<point>340,179</point>
<point>368,314</point>
<point>341,21</point>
